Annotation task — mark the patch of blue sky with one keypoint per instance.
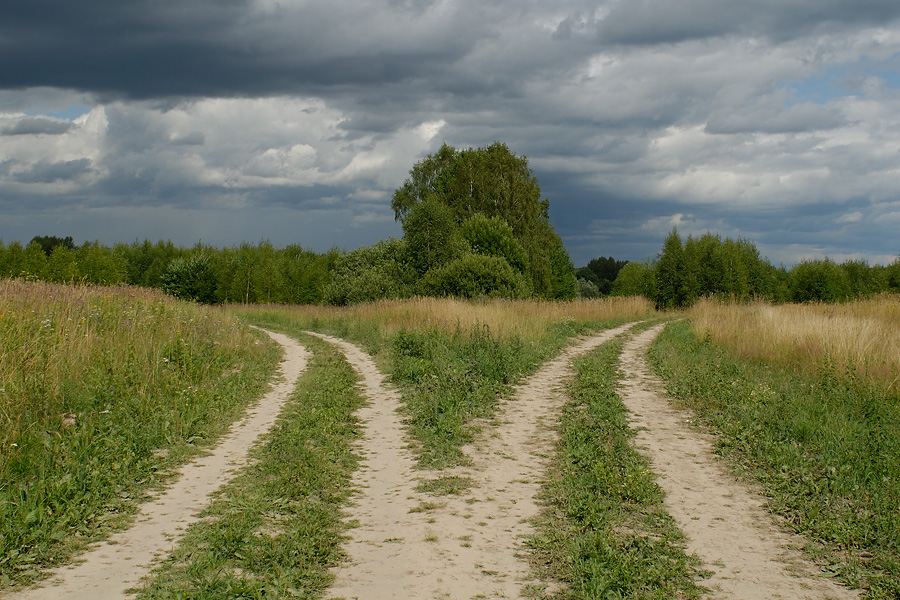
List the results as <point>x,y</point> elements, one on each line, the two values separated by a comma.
<point>842,81</point>
<point>69,113</point>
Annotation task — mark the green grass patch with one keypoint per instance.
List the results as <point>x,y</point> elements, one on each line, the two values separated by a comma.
<point>274,531</point>
<point>825,449</point>
<point>103,392</point>
<point>604,531</point>
<point>452,485</point>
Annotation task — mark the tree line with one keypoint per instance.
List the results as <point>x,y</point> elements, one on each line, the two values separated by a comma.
<point>685,270</point>
<point>474,225</point>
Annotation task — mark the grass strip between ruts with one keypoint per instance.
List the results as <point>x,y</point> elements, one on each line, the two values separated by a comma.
<point>825,449</point>
<point>603,531</point>
<point>275,530</point>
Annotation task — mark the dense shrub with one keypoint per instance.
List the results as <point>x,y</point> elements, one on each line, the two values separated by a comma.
<point>475,275</point>
<point>371,273</point>
<point>192,278</point>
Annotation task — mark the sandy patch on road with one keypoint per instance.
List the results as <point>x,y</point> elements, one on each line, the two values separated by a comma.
<point>113,566</point>
<point>726,523</point>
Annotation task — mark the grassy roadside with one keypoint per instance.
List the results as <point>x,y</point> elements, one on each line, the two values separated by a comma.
<point>604,531</point>
<point>825,447</point>
<point>103,391</point>
<point>452,360</point>
<point>274,531</point>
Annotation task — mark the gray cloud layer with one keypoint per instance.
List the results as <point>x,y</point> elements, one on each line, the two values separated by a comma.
<point>637,116</point>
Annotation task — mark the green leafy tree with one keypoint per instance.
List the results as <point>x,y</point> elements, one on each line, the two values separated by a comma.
<point>62,266</point>
<point>98,264</point>
<point>819,281</point>
<point>50,242</point>
<point>672,282</point>
<point>587,289</point>
<point>34,263</point>
<point>602,272</point>
<point>145,262</point>
<point>492,236</point>
<point>431,234</point>
<point>493,182</point>
<point>861,278</point>
<point>304,275</point>
<point>636,279</point>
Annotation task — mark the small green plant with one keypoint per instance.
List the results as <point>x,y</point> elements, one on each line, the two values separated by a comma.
<point>451,485</point>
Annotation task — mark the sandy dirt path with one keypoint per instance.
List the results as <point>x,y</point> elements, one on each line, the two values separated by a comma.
<point>118,564</point>
<point>726,523</point>
<point>415,545</point>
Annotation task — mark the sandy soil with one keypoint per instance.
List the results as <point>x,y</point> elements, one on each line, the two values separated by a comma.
<point>726,523</point>
<point>114,566</point>
<point>415,545</point>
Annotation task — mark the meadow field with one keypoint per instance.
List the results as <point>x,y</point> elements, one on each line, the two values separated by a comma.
<point>104,390</point>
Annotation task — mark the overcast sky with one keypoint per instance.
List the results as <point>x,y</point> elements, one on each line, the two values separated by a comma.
<point>293,121</point>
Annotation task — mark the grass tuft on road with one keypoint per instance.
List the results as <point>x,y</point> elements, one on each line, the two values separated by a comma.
<point>275,530</point>
<point>603,531</point>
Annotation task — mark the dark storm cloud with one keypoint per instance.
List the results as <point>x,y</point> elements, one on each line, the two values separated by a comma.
<point>663,21</point>
<point>45,172</point>
<point>139,49</point>
<point>37,126</point>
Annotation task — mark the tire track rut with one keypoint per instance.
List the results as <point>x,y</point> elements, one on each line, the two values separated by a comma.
<point>725,522</point>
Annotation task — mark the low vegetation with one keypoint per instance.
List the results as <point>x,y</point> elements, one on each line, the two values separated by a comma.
<point>102,392</point>
<point>604,531</point>
<point>805,403</point>
<point>453,359</point>
<point>275,530</point>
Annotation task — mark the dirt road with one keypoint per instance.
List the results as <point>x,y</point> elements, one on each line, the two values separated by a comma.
<point>725,522</point>
<point>411,544</point>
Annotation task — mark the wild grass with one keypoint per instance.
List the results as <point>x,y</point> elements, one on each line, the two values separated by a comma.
<point>823,444</point>
<point>102,392</point>
<point>453,359</point>
<point>275,530</point>
<point>604,531</point>
<point>525,319</point>
<point>859,340</point>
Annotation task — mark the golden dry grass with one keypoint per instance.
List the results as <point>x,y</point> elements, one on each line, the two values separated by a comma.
<point>52,335</point>
<point>527,319</point>
<point>860,338</point>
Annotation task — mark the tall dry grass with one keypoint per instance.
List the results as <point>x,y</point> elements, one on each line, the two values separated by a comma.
<point>860,339</point>
<point>526,319</point>
<point>54,338</point>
